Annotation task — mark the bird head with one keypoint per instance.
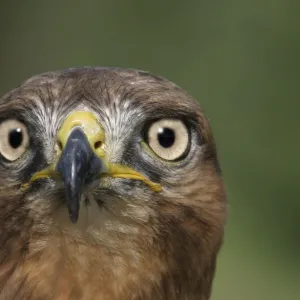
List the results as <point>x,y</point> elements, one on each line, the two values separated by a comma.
<point>120,163</point>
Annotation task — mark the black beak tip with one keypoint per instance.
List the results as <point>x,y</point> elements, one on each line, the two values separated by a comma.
<point>73,217</point>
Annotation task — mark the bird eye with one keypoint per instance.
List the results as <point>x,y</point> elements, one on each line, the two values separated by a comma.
<point>13,139</point>
<point>168,138</point>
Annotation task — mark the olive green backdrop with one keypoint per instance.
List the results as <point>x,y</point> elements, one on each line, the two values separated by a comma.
<point>240,59</point>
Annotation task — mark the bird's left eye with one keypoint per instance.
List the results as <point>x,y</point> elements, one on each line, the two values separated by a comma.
<point>13,139</point>
<point>168,138</point>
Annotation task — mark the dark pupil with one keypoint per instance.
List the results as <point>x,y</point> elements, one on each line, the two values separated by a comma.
<point>15,138</point>
<point>166,137</point>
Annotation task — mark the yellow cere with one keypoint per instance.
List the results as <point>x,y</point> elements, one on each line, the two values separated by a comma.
<point>94,133</point>
<point>89,125</point>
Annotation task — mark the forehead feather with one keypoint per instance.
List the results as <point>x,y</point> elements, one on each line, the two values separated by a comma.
<point>104,83</point>
<point>109,91</point>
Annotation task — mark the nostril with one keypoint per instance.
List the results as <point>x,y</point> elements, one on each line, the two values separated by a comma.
<point>98,145</point>
<point>59,145</point>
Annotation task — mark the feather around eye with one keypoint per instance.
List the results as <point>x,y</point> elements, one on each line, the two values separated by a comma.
<point>168,138</point>
<point>14,139</point>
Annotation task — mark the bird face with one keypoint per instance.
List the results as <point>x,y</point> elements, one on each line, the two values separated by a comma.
<point>105,172</point>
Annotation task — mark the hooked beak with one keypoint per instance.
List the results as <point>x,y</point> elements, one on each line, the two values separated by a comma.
<point>81,160</point>
<point>77,164</point>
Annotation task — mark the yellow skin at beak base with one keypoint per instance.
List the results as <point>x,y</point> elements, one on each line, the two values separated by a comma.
<point>95,134</point>
<point>88,124</point>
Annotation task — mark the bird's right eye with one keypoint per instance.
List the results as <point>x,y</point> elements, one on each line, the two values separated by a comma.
<point>14,139</point>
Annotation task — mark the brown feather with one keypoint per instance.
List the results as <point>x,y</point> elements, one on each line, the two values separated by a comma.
<point>150,246</point>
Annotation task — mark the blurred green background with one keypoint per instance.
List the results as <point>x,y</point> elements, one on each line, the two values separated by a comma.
<point>240,59</point>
